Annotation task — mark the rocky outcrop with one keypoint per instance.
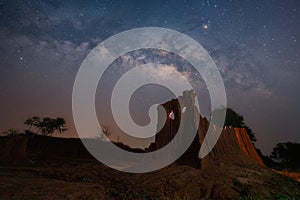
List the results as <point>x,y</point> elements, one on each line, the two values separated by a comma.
<point>13,149</point>
<point>246,145</point>
<point>48,147</point>
<point>173,111</point>
<point>234,144</point>
<point>20,149</point>
<point>16,149</point>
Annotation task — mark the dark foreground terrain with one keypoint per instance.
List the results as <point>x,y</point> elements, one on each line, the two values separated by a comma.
<point>64,178</point>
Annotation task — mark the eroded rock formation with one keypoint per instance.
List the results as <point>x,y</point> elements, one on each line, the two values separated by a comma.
<point>234,144</point>
<point>13,149</point>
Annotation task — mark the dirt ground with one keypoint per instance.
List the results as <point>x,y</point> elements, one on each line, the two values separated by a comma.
<point>63,178</point>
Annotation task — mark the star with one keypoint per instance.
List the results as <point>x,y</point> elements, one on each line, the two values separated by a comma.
<point>205,26</point>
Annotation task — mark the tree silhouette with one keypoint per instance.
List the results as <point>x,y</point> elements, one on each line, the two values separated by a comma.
<point>60,124</point>
<point>235,120</point>
<point>104,135</point>
<point>47,126</point>
<point>29,122</point>
<point>33,121</point>
<point>288,154</point>
<point>11,132</point>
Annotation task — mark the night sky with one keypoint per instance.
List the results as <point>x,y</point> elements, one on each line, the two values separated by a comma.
<point>255,45</point>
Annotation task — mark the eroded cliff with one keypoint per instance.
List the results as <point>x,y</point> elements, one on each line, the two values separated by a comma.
<point>234,144</point>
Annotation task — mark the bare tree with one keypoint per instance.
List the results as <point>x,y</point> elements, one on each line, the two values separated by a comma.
<point>105,133</point>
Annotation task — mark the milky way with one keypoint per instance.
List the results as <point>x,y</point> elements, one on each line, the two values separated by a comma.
<point>255,45</point>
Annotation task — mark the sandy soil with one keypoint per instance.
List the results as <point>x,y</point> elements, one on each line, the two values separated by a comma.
<point>64,178</point>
